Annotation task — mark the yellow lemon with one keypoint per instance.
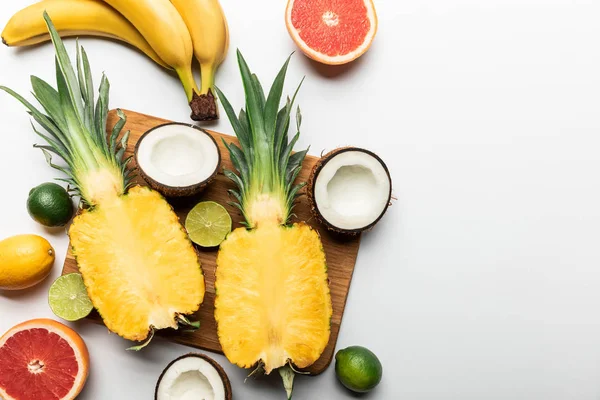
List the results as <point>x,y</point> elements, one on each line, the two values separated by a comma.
<point>25,261</point>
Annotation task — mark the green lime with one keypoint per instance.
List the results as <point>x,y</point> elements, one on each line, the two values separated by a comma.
<point>50,205</point>
<point>208,224</point>
<point>68,298</point>
<point>358,369</point>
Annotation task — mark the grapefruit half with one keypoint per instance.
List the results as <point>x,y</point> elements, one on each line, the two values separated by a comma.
<point>332,31</point>
<point>42,359</point>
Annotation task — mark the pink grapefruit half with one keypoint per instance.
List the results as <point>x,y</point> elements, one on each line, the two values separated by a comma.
<point>42,359</point>
<point>332,31</point>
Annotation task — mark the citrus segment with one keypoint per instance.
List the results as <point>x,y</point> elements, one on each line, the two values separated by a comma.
<point>42,359</point>
<point>332,31</point>
<point>208,224</point>
<point>68,298</point>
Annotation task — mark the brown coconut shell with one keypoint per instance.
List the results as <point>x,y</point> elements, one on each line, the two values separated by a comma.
<point>176,191</point>
<point>220,370</point>
<point>310,190</point>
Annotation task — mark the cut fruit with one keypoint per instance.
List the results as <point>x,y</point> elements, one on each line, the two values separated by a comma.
<point>193,376</point>
<point>350,190</point>
<point>177,159</point>
<point>208,224</point>
<point>68,298</point>
<point>332,31</point>
<point>272,301</point>
<point>273,282</point>
<point>138,264</point>
<point>42,359</point>
<point>156,279</point>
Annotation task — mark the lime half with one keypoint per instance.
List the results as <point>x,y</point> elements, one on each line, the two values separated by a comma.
<point>208,224</point>
<point>68,298</point>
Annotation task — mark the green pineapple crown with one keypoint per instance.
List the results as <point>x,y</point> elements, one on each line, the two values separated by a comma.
<point>75,126</point>
<point>266,167</point>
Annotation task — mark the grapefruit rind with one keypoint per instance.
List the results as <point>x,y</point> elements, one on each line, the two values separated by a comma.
<point>66,333</point>
<point>324,58</point>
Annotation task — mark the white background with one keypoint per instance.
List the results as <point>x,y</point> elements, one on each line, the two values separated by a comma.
<point>483,281</point>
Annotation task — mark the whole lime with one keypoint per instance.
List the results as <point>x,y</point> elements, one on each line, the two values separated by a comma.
<point>50,205</point>
<point>358,369</point>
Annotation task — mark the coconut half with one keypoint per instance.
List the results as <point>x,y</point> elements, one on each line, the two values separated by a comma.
<point>350,190</point>
<point>193,377</point>
<point>177,159</point>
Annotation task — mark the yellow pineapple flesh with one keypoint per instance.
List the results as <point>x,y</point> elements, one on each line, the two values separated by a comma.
<point>139,273</point>
<point>272,305</point>
<point>273,301</point>
<point>140,269</point>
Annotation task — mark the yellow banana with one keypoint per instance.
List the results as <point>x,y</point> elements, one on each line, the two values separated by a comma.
<point>74,18</point>
<point>210,36</point>
<point>162,26</point>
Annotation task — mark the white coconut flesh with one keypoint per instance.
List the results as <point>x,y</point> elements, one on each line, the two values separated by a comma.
<point>177,155</point>
<point>352,190</point>
<point>191,378</point>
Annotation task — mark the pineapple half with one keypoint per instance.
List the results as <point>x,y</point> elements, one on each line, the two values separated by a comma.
<point>140,269</point>
<point>273,306</point>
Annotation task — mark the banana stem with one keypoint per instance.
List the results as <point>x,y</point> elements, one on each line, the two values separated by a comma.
<point>208,72</point>
<point>186,76</point>
<point>204,104</point>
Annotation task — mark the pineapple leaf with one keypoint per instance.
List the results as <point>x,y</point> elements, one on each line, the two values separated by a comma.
<point>295,165</point>
<point>57,148</point>
<point>116,131</point>
<point>101,114</point>
<point>245,125</point>
<point>48,149</point>
<point>253,101</point>
<point>48,157</point>
<point>186,324</point>
<point>48,97</point>
<point>263,160</point>
<point>274,99</point>
<point>69,112</point>
<point>283,125</point>
<point>287,375</point>
<point>298,119</point>
<point>125,140</point>
<point>80,76</point>
<point>285,156</point>
<point>241,133</point>
<point>56,145</point>
<point>87,89</point>
<point>238,159</point>
<point>242,211</point>
<point>294,192</point>
<point>236,179</point>
<point>146,343</point>
<point>260,93</point>
<point>39,117</point>
<point>74,131</point>
<point>66,69</point>
<point>236,195</point>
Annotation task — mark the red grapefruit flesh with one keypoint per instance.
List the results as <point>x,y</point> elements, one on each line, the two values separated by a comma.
<point>332,31</point>
<point>42,360</point>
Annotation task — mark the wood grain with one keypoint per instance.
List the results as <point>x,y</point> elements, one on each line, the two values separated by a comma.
<point>341,252</point>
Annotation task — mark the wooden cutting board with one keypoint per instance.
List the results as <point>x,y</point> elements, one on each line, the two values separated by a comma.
<point>341,252</point>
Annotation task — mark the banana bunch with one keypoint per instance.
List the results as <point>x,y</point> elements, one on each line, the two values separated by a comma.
<point>169,32</point>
